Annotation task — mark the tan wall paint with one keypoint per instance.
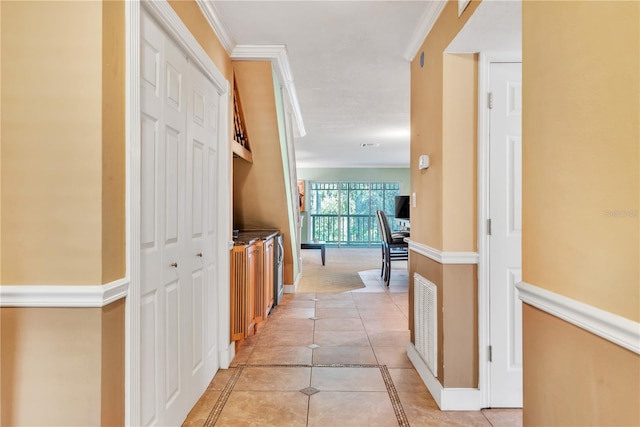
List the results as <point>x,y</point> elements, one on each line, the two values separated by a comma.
<point>581,140</point>
<point>574,378</point>
<point>113,364</point>
<point>428,130</point>
<point>51,361</point>
<point>113,141</point>
<point>63,174</point>
<point>459,152</point>
<point>457,318</point>
<point>51,142</point>
<point>460,325</point>
<point>0,159</point>
<point>260,199</point>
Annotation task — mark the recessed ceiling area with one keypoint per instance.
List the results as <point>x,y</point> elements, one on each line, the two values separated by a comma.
<point>352,82</point>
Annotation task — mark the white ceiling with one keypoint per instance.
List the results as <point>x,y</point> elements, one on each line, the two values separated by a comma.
<point>346,61</point>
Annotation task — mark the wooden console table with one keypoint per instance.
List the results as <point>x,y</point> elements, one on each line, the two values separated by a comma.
<point>315,245</point>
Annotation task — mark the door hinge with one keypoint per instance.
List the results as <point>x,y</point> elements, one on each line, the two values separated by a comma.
<point>490,353</point>
<point>490,100</point>
<point>489,227</point>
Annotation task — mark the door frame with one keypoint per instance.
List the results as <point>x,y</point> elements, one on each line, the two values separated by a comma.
<point>484,64</point>
<point>177,30</point>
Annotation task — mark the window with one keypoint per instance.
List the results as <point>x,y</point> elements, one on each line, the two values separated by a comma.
<point>344,213</point>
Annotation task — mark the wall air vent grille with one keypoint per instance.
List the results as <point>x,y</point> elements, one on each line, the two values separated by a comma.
<point>426,321</point>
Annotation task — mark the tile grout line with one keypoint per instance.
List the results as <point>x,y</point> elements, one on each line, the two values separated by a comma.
<point>401,416</point>
<point>224,396</point>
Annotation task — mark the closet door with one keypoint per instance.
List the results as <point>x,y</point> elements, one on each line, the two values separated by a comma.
<point>165,323</point>
<point>202,113</point>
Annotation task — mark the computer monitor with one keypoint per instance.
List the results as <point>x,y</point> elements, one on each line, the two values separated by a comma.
<point>402,210</point>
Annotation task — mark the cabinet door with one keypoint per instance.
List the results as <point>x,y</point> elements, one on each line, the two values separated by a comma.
<point>252,277</point>
<point>238,292</point>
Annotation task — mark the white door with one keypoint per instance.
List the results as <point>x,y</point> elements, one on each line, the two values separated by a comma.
<point>201,256</point>
<point>178,353</point>
<point>505,241</point>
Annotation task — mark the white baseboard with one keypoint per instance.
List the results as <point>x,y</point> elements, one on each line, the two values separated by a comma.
<point>291,289</point>
<point>448,399</point>
<point>227,355</point>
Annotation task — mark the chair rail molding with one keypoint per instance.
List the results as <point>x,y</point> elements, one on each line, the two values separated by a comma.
<point>443,257</point>
<point>63,295</point>
<point>616,329</point>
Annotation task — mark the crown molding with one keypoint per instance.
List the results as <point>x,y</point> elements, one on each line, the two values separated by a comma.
<point>213,17</point>
<point>279,58</point>
<point>63,296</point>
<point>441,256</point>
<point>427,20</point>
<point>616,329</point>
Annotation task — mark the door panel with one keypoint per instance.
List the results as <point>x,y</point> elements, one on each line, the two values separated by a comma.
<point>505,241</point>
<point>197,280</point>
<point>148,377</point>
<point>172,342</point>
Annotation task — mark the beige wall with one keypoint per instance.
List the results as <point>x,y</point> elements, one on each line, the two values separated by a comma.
<point>459,148</point>
<point>259,193</point>
<point>63,174</point>
<point>44,366</point>
<point>444,126</point>
<point>52,143</point>
<point>445,130</point>
<point>581,139</point>
<point>582,124</point>
<point>574,378</point>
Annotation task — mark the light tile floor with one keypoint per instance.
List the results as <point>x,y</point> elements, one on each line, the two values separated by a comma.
<point>346,368</point>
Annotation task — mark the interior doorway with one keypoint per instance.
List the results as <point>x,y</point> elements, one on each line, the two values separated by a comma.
<point>500,225</point>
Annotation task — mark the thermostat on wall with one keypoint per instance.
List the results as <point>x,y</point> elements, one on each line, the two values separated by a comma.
<point>423,161</point>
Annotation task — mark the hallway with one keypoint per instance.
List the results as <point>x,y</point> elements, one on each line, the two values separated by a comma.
<point>332,359</point>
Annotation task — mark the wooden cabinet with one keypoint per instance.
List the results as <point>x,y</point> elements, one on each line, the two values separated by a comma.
<point>252,291</point>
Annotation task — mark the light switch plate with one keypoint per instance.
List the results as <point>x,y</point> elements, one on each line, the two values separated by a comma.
<point>423,161</point>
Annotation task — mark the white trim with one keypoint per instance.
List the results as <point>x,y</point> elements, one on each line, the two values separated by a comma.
<point>132,144</point>
<point>462,5</point>
<point>427,21</point>
<point>279,58</point>
<point>291,289</point>
<point>213,17</point>
<point>63,296</point>
<point>616,329</point>
<point>448,399</point>
<point>441,256</point>
<point>484,61</point>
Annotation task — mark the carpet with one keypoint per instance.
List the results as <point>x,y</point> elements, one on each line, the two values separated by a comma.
<point>340,272</point>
